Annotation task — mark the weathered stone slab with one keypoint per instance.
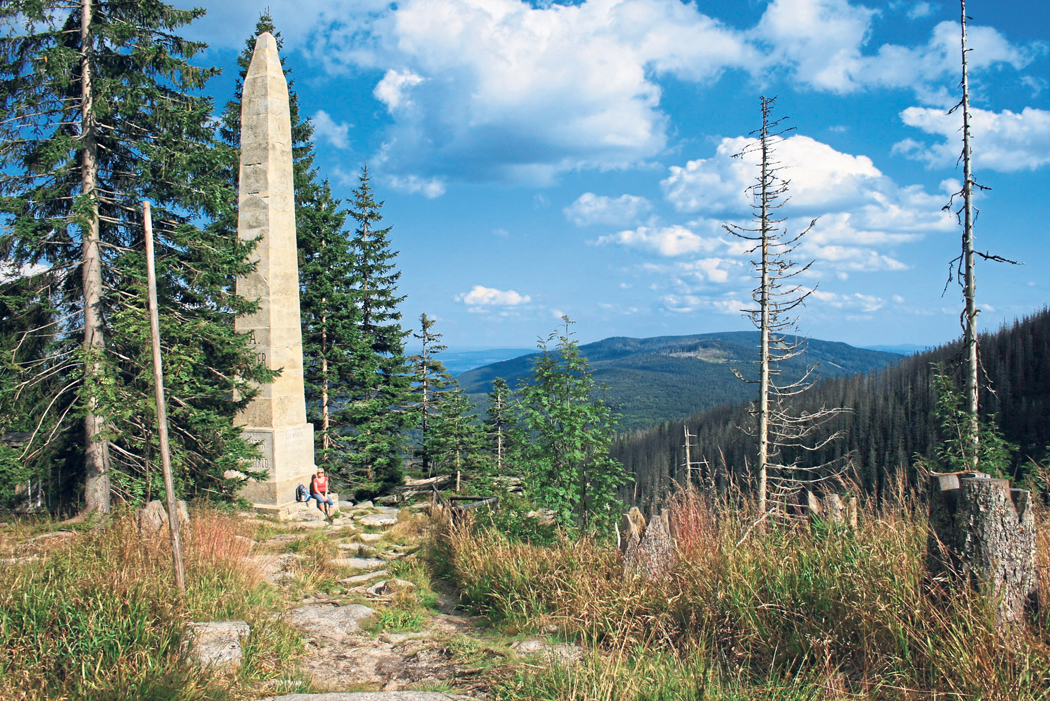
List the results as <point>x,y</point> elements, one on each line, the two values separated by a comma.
<point>216,644</point>
<point>370,537</point>
<point>328,623</point>
<point>554,653</point>
<point>154,516</point>
<point>359,563</point>
<point>378,520</point>
<point>389,587</point>
<point>367,576</point>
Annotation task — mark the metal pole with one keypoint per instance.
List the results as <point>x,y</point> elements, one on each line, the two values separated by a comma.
<point>162,414</point>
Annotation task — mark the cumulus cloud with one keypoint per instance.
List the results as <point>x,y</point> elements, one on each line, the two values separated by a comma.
<point>413,184</point>
<point>918,10</point>
<point>1003,141</point>
<point>515,91</point>
<point>667,240</point>
<point>855,301</point>
<point>689,303</point>
<point>395,87</point>
<point>327,129</point>
<point>862,216</point>
<point>822,181</point>
<point>480,296</point>
<point>590,208</point>
<point>503,90</point>
<point>822,42</point>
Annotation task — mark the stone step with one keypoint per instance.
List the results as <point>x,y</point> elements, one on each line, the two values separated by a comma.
<point>378,520</point>
<point>359,563</point>
<point>367,576</point>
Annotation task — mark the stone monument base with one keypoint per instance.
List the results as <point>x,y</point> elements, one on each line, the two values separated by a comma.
<point>291,450</point>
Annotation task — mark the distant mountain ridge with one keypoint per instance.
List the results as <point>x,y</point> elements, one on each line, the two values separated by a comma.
<point>652,380</point>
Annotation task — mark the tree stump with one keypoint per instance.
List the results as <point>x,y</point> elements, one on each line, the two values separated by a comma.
<point>982,534</point>
<point>833,508</point>
<point>647,549</point>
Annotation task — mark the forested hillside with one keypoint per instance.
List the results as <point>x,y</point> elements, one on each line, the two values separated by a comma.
<point>651,380</point>
<point>891,419</point>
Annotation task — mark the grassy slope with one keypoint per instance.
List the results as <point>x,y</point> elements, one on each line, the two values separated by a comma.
<point>99,617</point>
<point>651,380</point>
<point>789,613</point>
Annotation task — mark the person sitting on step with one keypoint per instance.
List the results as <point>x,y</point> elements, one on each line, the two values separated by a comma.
<point>319,491</point>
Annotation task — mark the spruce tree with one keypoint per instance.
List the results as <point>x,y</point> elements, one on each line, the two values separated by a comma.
<point>431,380</point>
<point>457,442</point>
<point>330,319</point>
<point>379,390</point>
<point>499,424</point>
<point>100,109</point>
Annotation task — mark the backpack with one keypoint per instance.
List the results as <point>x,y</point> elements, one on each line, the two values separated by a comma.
<point>300,493</point>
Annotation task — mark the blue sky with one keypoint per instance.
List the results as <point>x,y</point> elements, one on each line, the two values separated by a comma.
<point>541,158</point>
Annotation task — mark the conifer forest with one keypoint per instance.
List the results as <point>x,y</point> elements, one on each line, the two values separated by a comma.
<point>688,487</point>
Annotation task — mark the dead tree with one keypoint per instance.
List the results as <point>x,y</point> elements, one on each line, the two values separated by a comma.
<point>967,258</point>
<point>779,297</point>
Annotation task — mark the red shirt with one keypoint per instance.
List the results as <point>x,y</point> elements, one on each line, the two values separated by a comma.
<point>319,485</point>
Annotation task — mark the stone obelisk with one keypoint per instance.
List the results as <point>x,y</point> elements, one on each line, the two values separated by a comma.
<point>276,418</point>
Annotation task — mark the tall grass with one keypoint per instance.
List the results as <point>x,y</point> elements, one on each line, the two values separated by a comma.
<point>99,616</point>
<point>803,611</point>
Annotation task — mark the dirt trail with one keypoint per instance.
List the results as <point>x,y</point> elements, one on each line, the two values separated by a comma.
<point>376,633</point>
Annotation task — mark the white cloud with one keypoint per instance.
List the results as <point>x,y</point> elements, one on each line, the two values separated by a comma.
<point>688,274</point>
<point>393,89</point>
<point>503,90</point>
<point>413,184</point>
<point>689,303</point>
<point>1003,141</point>
<point>516,91</point>
<point>820,40</point>
<point>822,181</point>
<point>919,10</point>
<point>822,43</point>
<point>820,176</point>
<point>590,208</point>
<point>667,241</point>
<point>480,296</point>
<point>335,133</point>
<point>856,301</point>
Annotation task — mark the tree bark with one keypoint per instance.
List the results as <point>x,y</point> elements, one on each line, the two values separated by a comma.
<point>982,535</point>
<point>96,450</point>
<point>970,284</point>
<point>763,378</point>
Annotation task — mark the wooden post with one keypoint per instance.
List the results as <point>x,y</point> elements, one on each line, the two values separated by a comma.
<point>162,414</point>
<point>982,534</point>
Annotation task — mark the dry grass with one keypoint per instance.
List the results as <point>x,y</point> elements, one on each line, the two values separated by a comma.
<point>99,615</point>
<point>837,613</point>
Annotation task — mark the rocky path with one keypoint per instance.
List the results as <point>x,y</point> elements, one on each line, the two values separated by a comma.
<point>374,634</point>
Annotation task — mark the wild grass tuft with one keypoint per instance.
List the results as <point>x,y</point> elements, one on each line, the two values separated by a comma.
<point>100,618</point>
<point>787,612</point>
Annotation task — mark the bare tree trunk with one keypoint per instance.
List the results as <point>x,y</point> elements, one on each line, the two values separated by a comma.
<point>499,437</point>
<point>970,285</point>
<point>326,419</point>
<point>763,377</point>
<point>96,451</point>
